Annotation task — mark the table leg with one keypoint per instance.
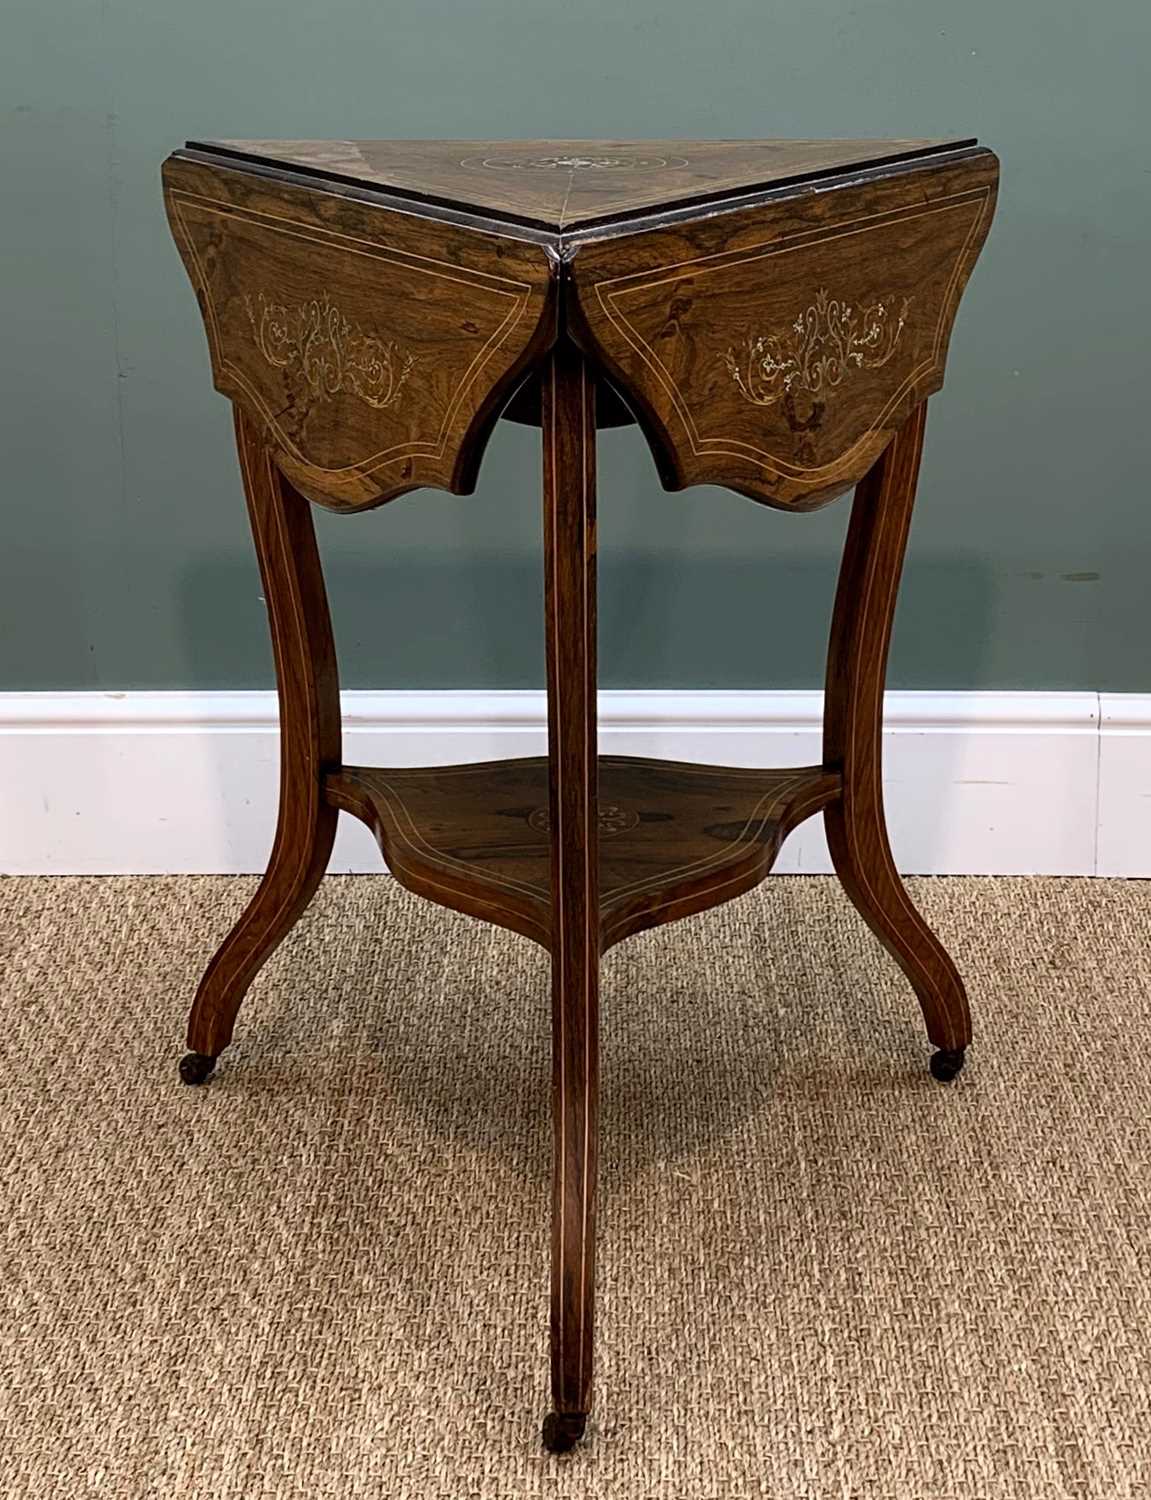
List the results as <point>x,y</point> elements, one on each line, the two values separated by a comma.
<point>309,695</point>
<point>569,551</point>
<point>853,741</point>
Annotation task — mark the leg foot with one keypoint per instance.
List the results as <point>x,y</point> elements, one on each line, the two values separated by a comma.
<point>563,1430</point>
<point>196,1067</point>
<point>945,1063</point>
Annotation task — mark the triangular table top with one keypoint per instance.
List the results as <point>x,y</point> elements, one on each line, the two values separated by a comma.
<point>561,185</point>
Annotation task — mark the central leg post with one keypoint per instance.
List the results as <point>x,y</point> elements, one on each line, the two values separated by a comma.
<point>569,551</point>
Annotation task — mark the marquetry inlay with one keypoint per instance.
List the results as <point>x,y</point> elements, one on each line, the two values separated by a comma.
<point>328,349</point>
<point>829,340</point>
<point>612,819</point>
<point>607,163</point>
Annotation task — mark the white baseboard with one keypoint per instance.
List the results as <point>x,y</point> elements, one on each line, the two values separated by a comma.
<point>1124,846</point>
<point>977,783</point>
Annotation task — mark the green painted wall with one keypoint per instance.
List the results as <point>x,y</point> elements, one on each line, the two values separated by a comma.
<point>124,559</point>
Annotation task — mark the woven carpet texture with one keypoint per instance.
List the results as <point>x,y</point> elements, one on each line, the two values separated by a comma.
<point>822,1275</point>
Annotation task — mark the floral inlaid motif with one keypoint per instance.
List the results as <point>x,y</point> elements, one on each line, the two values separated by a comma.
<point>330,351</point>
<point>827,342</point>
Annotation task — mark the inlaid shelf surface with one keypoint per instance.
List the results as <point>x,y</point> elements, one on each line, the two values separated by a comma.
<point>674,838</point>
<point>773,315</point>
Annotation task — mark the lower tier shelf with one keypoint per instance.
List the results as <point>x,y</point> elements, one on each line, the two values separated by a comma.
<point>674,838</point>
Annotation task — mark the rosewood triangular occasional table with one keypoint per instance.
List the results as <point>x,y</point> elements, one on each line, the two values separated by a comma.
<point>774,315</point>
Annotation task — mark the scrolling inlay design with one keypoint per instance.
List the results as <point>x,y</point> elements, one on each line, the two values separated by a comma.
<point>331,352</point>
<point>825,343</point>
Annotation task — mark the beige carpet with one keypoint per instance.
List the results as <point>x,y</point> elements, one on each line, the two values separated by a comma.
<point>823,1275</point>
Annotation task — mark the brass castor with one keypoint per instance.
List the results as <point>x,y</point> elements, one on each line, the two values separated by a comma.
<point>195,1067</point>
<point>945,1065</point>
<point>563,1430</point>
